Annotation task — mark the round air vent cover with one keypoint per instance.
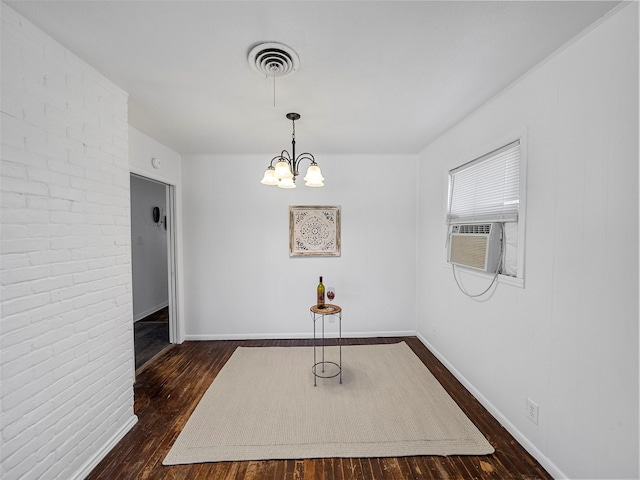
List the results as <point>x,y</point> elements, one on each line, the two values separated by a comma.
<point>273,59</point>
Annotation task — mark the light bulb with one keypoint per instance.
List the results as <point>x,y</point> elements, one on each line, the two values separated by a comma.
<point>269,177</point>
<point>287,182</point>
<point>314,177</point>
<point>283,170</point>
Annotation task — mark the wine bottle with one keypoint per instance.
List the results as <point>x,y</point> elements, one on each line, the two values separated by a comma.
<point>320,292</point>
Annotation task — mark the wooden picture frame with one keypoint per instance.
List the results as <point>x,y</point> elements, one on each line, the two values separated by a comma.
<point>314,231</point>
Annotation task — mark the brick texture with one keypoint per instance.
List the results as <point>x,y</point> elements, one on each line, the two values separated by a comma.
<point>66,341</point>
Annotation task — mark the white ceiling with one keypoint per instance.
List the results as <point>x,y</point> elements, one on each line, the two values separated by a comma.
<point>374,76</point>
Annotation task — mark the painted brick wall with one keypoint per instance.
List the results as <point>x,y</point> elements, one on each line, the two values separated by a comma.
<point>66,345</point>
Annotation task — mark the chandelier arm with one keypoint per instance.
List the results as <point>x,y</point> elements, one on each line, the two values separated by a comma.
<point>284,156</point>
<point>305,156</point>
<point>299,158</point>
<point>274,159</point>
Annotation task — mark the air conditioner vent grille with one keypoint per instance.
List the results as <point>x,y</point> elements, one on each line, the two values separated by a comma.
<point>469,251</point>
<point>482,229</point>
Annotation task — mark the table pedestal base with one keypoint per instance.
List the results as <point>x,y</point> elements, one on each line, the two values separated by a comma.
<point>323,364</point>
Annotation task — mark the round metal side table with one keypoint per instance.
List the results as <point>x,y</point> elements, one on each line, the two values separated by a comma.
<point>321,313</point>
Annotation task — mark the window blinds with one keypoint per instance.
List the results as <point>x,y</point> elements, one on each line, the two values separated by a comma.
<point>487,188</point>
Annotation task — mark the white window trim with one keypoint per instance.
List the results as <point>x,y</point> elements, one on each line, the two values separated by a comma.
<point>521,134</point>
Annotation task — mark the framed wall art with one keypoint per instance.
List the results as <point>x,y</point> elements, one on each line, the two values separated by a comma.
<point>314,231</point>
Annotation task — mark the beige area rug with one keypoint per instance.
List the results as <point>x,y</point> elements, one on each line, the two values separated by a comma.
<point>263,405</point>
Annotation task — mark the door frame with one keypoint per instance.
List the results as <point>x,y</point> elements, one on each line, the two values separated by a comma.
<point>172,267</point>
<point>176,330</point>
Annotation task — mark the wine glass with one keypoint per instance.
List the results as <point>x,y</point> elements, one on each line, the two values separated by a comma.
<point>331,293</point>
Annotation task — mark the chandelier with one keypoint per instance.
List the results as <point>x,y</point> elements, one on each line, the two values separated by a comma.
<point>286,168</point>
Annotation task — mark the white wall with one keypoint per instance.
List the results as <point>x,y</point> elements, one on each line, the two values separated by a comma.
<point>239,279</point>
<point>148,247</point>
<point>67,334</point>
<point>569,339</point>
<point>142,149</point>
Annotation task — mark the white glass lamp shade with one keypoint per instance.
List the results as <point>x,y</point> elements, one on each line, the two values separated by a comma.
<point>283,170</point>
<point>287,182</point>
<point>269,177</point>
<point>314,177</point>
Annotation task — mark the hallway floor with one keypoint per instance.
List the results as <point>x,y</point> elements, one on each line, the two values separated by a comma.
<point>151,336</point>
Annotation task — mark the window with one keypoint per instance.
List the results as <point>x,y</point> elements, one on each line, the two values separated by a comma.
<point>487,190</point>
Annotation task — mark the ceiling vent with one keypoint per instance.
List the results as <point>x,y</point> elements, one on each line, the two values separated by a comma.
<point>273,59</point>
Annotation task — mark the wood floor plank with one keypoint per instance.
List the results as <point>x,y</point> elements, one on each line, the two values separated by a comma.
<point>297,472</point>
<point>355,469</point>
<point>418,469</point>
<point>170,387</point>
<point>377,469</point>
<point>367,470</point>
<point>405,469</point>
<point>393,469</point>
<point>310,469</point>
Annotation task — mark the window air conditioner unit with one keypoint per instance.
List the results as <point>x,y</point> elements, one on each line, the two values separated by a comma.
<point>476,245</point>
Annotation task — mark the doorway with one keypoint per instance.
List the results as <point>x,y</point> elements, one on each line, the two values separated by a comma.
<point>152,260</point>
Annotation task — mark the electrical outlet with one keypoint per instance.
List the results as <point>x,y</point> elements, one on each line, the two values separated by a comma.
<point>532,411</point>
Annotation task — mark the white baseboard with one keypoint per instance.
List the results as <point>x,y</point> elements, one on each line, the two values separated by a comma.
<point>90,464</point>
<point>547,464</point>
<point>305,335</point>
<point>149,311</point>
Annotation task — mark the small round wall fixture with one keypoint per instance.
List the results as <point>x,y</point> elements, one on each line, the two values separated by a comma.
<point>156,163</point>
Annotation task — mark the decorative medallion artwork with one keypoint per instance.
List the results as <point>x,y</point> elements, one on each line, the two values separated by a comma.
<point>314,231</point>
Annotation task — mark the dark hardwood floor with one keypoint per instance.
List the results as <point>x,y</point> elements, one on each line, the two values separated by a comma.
<point>151,336</point>
<point>170,387</point>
